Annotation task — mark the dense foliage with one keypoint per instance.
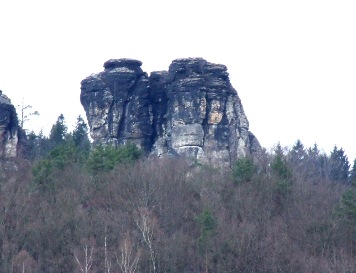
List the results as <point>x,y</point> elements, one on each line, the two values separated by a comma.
<point>112,210</point>
<point>105,158</point>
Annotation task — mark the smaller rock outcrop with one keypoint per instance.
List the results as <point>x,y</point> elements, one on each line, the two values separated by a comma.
<point>12,137</point>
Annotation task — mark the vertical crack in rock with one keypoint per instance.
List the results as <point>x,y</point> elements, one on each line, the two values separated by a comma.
<point>121,128</point>
<point>191,110</point>
<point>111,114</point>
<point>206,117</point>
<point>229,123</point>
<point>158,103</point>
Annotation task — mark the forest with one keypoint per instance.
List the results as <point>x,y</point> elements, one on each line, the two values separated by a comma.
<point>70,207</point>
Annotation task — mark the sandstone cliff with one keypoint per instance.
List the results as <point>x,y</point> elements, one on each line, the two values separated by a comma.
<point>12,137</point>
<point>190,110</point>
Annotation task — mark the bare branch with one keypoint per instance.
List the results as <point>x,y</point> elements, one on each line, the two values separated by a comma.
<point>87,263</point>
<point>145,223</point>
<point>127,263</point>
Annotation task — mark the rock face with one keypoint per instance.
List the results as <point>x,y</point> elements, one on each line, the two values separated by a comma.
<point>190,110</point>
<point>12,136</point>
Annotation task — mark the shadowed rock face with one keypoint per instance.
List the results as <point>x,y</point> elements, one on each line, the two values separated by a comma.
<point>117,104</point>
<point>11,135</point>
<point>190,110</point>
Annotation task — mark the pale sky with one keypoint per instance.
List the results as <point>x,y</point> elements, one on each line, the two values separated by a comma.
<point>293,63</point>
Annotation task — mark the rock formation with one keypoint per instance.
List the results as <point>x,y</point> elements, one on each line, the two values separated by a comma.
<point>190,110</point>
<point>12,137</point>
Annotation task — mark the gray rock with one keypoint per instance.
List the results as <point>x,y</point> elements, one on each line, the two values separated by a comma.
<point>190,110</point>
<point>117,104</point>
<point>12,138</point>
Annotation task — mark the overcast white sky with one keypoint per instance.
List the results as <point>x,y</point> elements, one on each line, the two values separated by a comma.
<point>293,63</point>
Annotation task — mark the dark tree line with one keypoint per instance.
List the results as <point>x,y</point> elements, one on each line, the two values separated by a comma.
<point>334,167</point>
<point>41,145</point>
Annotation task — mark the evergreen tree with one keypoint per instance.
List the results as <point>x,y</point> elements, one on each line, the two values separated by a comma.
<point>352,177</point>
<point>279,165</point>
<point>316,164</point>
<point>339,166</point>
<point>105,158</point>
<point>243,170</point>
<point>347,212</point>
<point>59,158</point>
<point>38,145</point>
<point>282,175</point>
<point>297,154</point>
<point>32,145</point>
<point>80,136</point>
<point>208,225</point>
<point>58,132</point>
<point>44,145</point>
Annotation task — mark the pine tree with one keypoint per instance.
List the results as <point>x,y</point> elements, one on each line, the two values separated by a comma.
<point>297,154</point>
<point>80,136</point>
<point>282,175</point>
<point>279,165</point>
<point>243,170</point>
<point>352,177</point>
<point>339,166</point>
<point>58,132</point>
<point>33,145</point>
<point>316,164</point>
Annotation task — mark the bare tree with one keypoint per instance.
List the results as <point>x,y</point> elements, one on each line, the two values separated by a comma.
<point>128,261</point>
<point>85,265</point>
<point>107,260</point>
<point>26,113</point>
<point>146,223</point>
<point>23,262</point>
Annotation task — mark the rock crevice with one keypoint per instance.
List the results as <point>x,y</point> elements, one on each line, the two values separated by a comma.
<point>190,110</point>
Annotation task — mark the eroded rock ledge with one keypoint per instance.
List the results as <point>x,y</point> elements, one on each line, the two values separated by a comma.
<point>190,110</point>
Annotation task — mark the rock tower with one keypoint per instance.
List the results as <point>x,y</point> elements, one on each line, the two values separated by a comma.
<point>191,110</point>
